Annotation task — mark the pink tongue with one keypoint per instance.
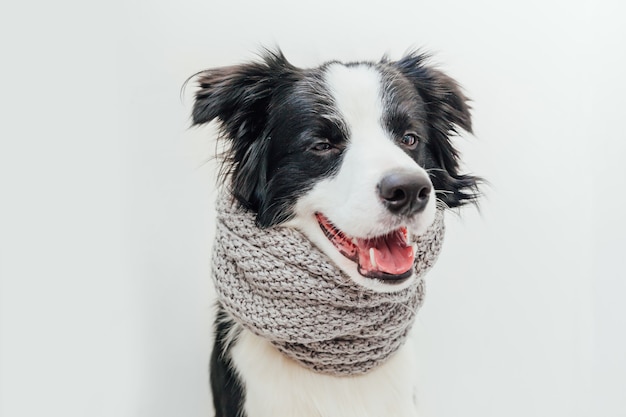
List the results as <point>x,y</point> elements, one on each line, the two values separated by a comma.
<point>391,254</point>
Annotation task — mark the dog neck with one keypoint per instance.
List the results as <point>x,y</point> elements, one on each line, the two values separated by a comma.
<point>276,284</point>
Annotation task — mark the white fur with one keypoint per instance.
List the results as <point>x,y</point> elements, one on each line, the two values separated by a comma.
<point>276,386</point>
<point>350,199</point>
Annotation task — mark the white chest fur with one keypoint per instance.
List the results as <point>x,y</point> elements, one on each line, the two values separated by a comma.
<point>276,386</point>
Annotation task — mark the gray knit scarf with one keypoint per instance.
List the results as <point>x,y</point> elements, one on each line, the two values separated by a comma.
<point>279,286</point>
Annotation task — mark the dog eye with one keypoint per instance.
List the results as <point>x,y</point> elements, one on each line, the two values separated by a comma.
<point>322,147</point>
<point>409,140</point>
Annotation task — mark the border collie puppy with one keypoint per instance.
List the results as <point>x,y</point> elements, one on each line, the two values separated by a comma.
<point>364,147</point>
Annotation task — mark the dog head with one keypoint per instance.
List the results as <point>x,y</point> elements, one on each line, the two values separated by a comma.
<point>357,156</point>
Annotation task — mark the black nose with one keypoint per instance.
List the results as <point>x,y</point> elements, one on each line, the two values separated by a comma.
<point>404,193</point>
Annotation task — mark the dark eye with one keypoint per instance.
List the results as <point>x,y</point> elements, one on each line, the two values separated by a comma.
<point>409,140</point>
<point>322,147</point>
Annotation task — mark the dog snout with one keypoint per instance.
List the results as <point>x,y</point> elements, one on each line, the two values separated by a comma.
<point>404,193</point>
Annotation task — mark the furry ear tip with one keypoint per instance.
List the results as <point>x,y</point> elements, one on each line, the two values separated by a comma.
<point>275,52</point>
<point>465,115</point>
<point>273,57</point>
<point>458,101</point>
<point>200,116</point>
<point>466,124</point>
<point>415,58</point>
<point>466,118</point>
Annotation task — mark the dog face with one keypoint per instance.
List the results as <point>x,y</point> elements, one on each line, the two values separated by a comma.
<point>356,156</point>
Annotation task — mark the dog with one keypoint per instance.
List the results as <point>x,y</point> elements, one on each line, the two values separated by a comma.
<point>346,153</point>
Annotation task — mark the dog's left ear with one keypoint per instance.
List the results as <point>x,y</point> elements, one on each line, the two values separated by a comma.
<point>447,110</point>
<point>440,92</point>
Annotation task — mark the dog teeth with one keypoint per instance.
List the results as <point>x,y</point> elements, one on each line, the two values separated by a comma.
<point>372,258</point>
<point>414,246</point>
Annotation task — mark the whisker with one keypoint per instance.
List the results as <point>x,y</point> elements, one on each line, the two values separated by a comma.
<point>435,169</point>
<point>442,204</point>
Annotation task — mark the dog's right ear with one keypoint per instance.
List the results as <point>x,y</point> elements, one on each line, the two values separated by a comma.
<point>239,97</point>
<point>222,91</point>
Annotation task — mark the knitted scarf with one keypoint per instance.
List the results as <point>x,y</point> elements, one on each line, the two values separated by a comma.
<point>279,286</point>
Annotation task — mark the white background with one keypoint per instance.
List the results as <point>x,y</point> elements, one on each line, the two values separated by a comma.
<point>106,203</point>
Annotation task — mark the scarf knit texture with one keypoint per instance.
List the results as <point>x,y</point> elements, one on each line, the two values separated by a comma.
<point>275,283</point>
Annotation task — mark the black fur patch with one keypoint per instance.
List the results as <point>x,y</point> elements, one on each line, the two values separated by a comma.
<point>228,393</point>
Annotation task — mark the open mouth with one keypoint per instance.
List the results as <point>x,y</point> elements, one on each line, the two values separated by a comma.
<point>389,257</point>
